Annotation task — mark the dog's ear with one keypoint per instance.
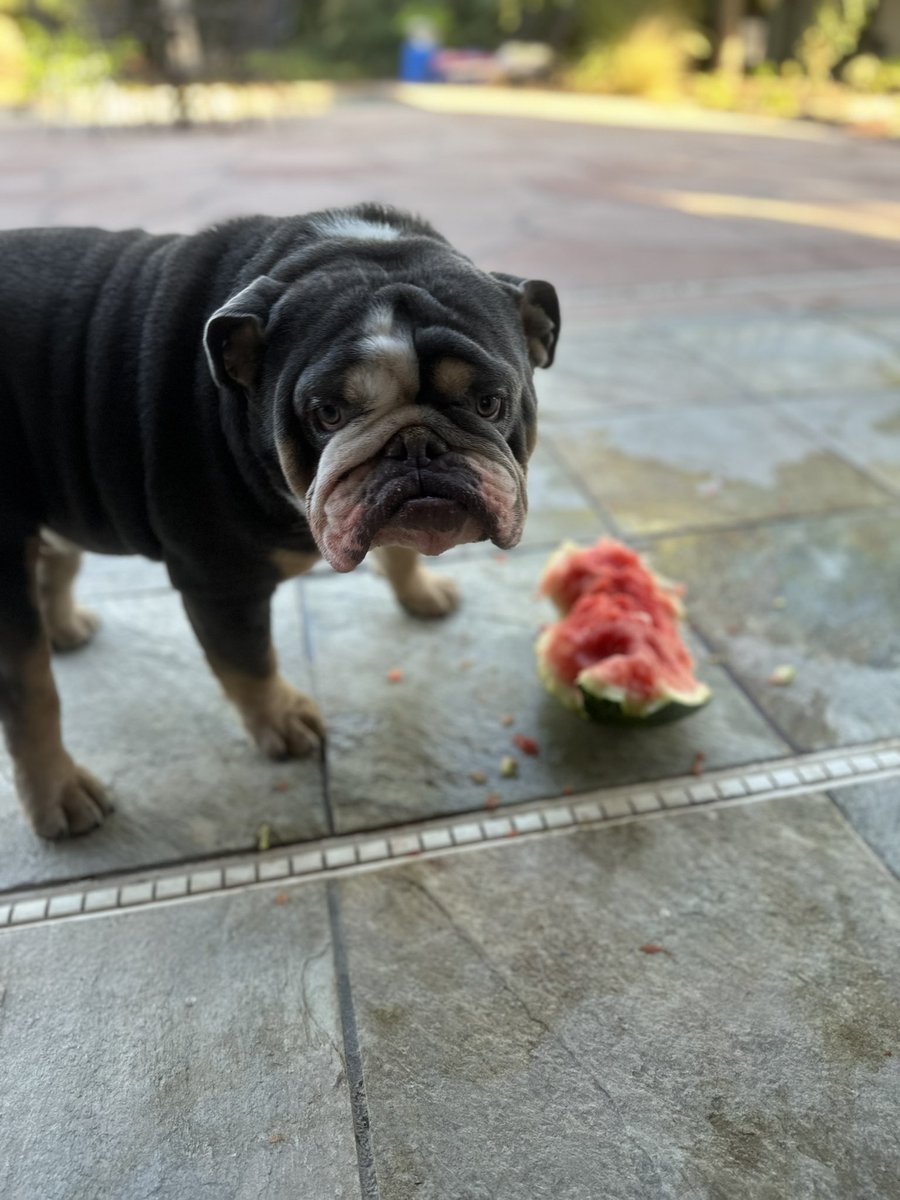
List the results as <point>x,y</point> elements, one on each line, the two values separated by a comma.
<point>539,306</point>
<point>235,334</point>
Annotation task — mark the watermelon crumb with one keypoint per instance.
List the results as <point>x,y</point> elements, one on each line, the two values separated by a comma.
<point>395,675</point>
<point>568,790</point>
<point>653,948</point>
<point>783,675</point>
<point>478,776</point>
<point>280,785</point>
<point>492,800</point>
<point>526,744</point>
<point>281,898</point>
<point>697,764</point>
<point>509,768</point>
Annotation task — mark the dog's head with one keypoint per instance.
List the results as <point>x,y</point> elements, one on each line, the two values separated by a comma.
<point>394,382</point>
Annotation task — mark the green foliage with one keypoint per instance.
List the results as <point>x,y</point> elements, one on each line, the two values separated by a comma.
<point>833,34</point>
<point>651,59</point>
<point>866,73</point>
<point>57,50</point>
<point>60,60</point>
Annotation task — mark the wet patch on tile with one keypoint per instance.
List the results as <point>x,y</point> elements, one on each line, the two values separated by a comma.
<point>706,467</point>
<point>433,741</point>
<point>705,1005</point>
<point>819,597</point>
<point>142,710</point>
<point>864,428</point>
<point>204,1041</point>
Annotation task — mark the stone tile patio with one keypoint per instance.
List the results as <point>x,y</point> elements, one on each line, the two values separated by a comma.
<point>608,995</point>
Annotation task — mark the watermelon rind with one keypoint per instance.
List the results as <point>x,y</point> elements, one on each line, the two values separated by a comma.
<point>606,703</point>
<point>569,696</point>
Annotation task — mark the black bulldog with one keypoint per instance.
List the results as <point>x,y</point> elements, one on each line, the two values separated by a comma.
<point>236,404</point>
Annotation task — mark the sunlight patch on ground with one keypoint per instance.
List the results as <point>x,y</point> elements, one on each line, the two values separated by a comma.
<point>626,111</point>
<point>877,220</point>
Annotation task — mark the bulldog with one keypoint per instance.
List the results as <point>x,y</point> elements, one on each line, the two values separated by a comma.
<point>236,404</point>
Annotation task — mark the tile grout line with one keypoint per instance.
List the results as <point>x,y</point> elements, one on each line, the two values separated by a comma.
<point>882,863</point>
<point>712,648</point>
<point>840,451</point>
<point>305,616</point>
<point>359,1104</point>
<point>329,858</point>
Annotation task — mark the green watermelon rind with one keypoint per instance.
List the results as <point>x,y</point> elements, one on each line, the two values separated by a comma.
<point>605,703</point>
<point>611,704</point>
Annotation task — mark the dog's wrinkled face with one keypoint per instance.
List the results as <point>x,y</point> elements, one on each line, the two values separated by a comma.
<point>400,406</point>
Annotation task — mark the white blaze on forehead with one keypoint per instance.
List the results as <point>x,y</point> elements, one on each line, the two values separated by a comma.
<point>343,225</point>
<point>388,376</point>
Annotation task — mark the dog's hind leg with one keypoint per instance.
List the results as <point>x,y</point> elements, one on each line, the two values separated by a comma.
<point>59,797</point>
<point>66,623</point>
<point>420,591</point>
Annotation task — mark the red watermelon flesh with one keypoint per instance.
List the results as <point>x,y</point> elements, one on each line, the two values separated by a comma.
<point>617,654</point>
<point>607,566</point>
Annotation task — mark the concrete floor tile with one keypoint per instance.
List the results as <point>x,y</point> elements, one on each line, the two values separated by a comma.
<point>656,471</point>
<point>517,1041</point>
<point>836,583</point>
<point>112,574</point>
<point>865,428</point>
<point>799,354</point>
<point>402,751</point>
<point>558,507</point>
<point>142,710</point>
<point>873,809</point>
<point>635,366</point>
<point>198,1073</point>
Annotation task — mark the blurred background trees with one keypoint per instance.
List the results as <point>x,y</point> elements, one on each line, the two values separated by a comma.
<point>722,52</point>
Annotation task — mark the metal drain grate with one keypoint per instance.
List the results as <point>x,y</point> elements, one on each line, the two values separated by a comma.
<point>141,889</point>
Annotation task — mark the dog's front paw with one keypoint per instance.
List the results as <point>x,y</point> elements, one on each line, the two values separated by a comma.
<point>72,630</point>
<point>428,595</point>
<point>65,802</point>
<point>283,722</point>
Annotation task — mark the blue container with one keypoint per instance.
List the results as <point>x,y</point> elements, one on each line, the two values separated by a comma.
<point>415,61</point>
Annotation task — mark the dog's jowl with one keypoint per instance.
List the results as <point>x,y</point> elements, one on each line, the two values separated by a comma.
<point>236,404</point>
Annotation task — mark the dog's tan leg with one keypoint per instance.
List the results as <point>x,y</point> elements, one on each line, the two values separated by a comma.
<point>235,635</point>
<point>59,797</point>
<point>422,593</point>
<point>67,624</point>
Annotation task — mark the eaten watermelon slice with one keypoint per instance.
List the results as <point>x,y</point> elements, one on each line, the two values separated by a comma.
<point>617,653</point>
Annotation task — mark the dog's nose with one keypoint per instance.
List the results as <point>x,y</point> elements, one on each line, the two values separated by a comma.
<point>415,444</point>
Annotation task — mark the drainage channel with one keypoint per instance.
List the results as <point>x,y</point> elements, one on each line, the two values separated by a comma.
<point>330,857</point>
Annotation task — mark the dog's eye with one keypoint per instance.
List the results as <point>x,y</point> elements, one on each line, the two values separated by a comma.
<point>330,416</point>
<point>489,406</point>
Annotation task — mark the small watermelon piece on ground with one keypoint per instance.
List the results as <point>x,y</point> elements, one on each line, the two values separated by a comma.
<point>617,654</point>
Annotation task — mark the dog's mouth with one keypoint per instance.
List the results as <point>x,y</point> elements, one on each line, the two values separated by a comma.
<point>429,514</point>
<point>430,508</point>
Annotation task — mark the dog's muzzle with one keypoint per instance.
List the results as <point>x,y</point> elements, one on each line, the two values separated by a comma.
<point>421,493</point>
